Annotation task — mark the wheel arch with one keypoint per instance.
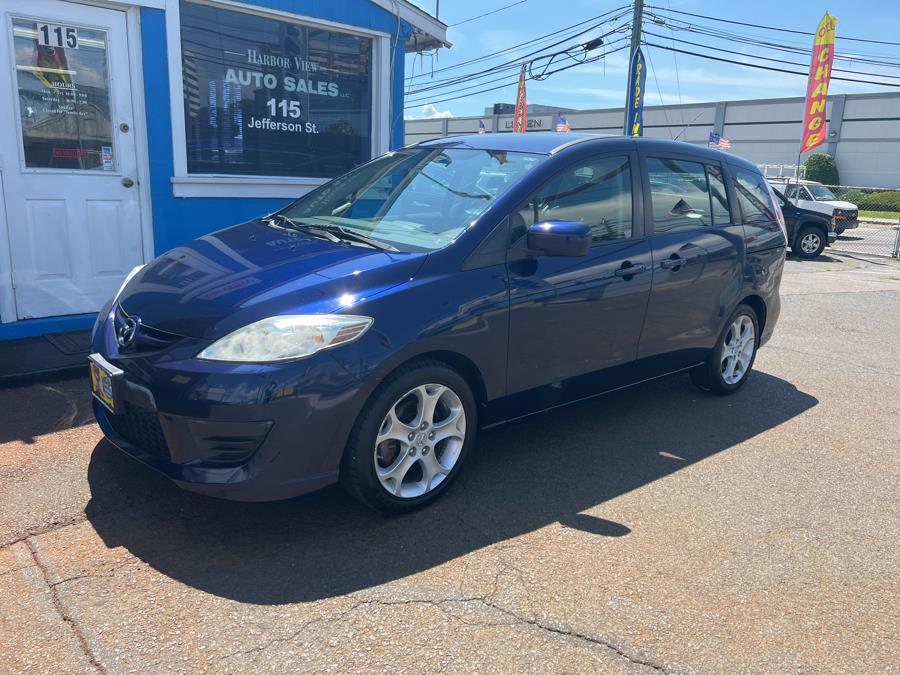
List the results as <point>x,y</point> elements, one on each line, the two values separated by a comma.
<point>758,305</point>
<point>810,223</point>
<point>458,362</point>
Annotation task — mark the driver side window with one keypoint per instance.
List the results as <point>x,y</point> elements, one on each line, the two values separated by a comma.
<point>596,192</point>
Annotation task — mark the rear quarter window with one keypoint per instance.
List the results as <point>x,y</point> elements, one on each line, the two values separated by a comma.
<point>758,212</point>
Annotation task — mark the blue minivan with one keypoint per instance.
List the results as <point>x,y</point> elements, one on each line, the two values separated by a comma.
<point>367,331</point>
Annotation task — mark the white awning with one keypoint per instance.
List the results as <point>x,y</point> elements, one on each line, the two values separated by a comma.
<point>428,32</point>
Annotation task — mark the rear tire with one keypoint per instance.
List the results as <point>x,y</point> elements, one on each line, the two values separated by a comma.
<point>809,243</point>
<point>411,438</point>
<point>730,362</point>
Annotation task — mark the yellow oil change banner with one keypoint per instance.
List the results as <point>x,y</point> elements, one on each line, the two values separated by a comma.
<point>817,87</point>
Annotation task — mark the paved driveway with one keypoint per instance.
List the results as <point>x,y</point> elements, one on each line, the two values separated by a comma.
<point>654,529</point>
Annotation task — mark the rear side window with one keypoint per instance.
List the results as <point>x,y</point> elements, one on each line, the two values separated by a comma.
<point>753,196</point>
<point>718,195</point>
<point>597,192</point>
<point>679,192</point>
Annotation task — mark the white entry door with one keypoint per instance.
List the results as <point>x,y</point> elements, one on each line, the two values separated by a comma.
<point>67,153</point>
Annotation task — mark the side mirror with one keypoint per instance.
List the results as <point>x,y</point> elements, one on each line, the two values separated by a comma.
<point>563,238</point>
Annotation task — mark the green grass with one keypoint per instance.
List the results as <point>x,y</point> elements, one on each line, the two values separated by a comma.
<point>892,215</point>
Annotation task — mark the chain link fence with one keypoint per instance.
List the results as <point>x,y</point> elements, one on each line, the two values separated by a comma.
<point>877,225</point>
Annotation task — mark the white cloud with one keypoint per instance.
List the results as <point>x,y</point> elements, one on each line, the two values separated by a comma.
<point>429,112</point>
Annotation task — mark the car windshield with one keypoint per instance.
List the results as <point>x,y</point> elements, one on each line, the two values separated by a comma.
<point>821,193</point>
<point>416,199</point>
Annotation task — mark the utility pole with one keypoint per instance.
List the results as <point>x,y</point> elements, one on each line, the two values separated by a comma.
<point>635,43</point>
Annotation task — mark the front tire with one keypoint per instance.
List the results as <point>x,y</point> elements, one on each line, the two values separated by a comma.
<point>810,243</point>
<point>730,362</point>
<point>411,438</point>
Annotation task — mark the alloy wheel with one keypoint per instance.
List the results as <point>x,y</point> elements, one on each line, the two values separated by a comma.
<point>420,440</point>
<point>810,243</point>
<point>737,349</point>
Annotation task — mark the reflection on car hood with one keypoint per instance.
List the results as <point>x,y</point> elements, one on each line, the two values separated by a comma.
<point>213,285</point>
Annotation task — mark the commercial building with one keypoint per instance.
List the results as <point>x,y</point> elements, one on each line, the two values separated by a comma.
<point>130,126</point>
<point>863,130</point>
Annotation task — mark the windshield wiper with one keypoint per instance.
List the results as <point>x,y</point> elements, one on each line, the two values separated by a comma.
<point>347,234</point>
<point>329,231</point>
<point>281,220</point>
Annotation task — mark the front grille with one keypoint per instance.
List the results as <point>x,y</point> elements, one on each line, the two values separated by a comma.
<point>141,428</point>
<point>146,338</point>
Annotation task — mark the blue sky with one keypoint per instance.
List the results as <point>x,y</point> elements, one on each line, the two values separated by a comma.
<point>680,77</point>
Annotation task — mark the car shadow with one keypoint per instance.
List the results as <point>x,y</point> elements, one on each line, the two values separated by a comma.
<point>822,257</point>
<point>521,477</point>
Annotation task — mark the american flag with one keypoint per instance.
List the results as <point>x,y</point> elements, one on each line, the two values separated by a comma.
<point>719,141</point>
<point>562,124</point>
<point>481,127</point>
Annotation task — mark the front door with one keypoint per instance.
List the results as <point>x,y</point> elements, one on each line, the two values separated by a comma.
<point>67,153</point>
<point>575,322</point>
<point>697,261</point>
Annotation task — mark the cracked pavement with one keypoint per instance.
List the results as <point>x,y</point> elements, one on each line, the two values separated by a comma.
<point>655,529</point>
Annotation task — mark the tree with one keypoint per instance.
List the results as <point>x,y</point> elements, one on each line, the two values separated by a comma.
<point>822,168</point>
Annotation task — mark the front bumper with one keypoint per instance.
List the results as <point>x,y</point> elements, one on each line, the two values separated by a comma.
<point>237,431</point>
<point>842,224</point>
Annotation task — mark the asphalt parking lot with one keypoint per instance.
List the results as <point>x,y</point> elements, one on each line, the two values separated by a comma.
<point>657,529</point>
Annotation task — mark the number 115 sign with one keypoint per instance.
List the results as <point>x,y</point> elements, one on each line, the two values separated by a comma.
<point>52,35</point>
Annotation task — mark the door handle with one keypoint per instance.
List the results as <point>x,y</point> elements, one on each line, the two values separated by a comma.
<point>629,270</point>
<point>674,263</point>
<point>127,182</point>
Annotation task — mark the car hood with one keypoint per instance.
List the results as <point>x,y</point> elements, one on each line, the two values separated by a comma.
<point>838,204</point>
<point>218,283</point>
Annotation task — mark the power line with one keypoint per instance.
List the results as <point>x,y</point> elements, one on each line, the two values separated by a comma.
<point>509,65</point>
<point>512,82</point>
<point>542,76</point>
<point>766,58</point>
<point>548,36</point>
<point>771,68</point>
<point>699,29</point>
<point>775,28</point>
<point>499,9</point>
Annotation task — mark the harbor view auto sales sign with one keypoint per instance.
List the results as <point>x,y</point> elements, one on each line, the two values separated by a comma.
<point>267,97</point>
<point>814,125</point>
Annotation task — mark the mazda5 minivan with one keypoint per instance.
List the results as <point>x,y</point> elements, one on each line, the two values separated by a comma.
<point>367,331</point>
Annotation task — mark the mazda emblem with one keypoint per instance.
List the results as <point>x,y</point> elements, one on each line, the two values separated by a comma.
<point>128,332</point>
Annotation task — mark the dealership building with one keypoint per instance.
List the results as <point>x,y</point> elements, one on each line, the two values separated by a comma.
<point>863,130</point>
<point>131,126</point>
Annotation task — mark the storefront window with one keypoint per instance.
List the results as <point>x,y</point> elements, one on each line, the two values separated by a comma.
<point>268,97</point>
<point>63,86</point>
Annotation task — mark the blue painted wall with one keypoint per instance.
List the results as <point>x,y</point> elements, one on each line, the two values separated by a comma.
<point>177,220</point>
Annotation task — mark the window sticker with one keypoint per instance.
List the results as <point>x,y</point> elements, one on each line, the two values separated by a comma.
<point>106,155</point>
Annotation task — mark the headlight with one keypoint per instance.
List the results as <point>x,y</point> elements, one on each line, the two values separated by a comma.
<point>281,338</point>
<point>128,277</point>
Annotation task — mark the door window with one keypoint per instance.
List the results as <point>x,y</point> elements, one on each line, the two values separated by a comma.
<point>597,192</point>
<point>62,78</point>
<point>680,195</point>
<point>753,196</point>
